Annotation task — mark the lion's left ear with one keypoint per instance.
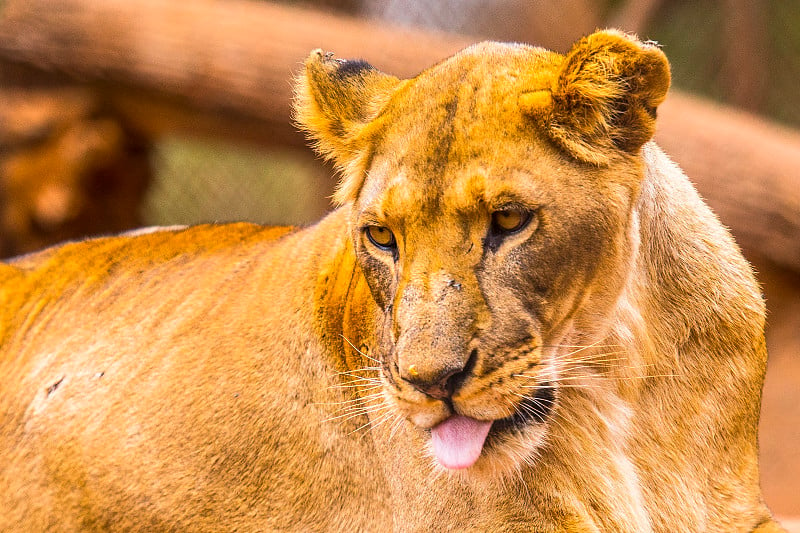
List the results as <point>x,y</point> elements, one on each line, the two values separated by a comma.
<point>604,98</point>
<point>335,102</point>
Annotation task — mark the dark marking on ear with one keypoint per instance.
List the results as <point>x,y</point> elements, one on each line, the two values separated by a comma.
<point>352,67</point>
<point>338,128</point>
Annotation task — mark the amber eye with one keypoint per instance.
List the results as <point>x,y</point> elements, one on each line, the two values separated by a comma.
<point>508,221</point>
<point>381,237</point>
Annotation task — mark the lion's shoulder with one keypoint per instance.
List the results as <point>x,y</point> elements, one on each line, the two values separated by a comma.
<point>85,268</point>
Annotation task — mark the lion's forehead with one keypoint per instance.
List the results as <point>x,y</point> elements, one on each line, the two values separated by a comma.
<point>448,138</point>
<point>461,105</point>
<point>395,193</point>
<point>479,86</point>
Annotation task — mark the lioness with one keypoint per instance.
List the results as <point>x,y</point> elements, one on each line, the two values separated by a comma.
<point>520,318</point>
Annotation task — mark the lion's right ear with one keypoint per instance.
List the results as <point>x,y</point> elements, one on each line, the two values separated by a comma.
<point>604,98</point>
<point>335,102</point>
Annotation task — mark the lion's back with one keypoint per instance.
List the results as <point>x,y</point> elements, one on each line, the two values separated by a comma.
<point>102,276</point>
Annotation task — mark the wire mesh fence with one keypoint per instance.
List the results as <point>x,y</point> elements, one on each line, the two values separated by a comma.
<point>200,181</point>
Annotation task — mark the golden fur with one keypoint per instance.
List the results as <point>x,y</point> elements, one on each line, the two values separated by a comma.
<point>244,378</point>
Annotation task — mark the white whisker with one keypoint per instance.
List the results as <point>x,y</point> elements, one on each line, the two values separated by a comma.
<point>374,423</point>
<point>355,412</point>
<point>601,357</point>
<point>560,386</point>
<point>362,399</point>
<point>364,369</point>
<point>359,351</point>
<point>377,385</point>
<point>397,425</point>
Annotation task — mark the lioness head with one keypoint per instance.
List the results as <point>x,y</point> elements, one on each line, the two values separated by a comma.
<point>491,201</point>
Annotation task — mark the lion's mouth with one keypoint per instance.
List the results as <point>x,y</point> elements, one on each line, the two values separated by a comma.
<point>459,441</point>
<point>531,410</point>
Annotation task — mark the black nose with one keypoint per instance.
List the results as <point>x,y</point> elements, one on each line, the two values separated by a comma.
<point>440,387</point>
<point>443,384</point>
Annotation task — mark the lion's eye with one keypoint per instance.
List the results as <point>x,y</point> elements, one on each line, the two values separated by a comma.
<point>508,221</point>
<point>381,237</point>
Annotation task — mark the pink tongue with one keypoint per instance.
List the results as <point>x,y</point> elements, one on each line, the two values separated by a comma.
<point>458,441</point>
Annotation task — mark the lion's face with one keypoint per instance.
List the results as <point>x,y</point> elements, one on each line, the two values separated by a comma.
<point>482,263</point>
<point>492,243</point>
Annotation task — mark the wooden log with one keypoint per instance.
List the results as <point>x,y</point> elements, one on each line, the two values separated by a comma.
<point>225,68</point>
<point>745,168</point>
<point>230,58</point>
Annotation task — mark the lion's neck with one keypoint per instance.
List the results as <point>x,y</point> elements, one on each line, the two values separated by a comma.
<point>676,419</point>
<point>691,318</point>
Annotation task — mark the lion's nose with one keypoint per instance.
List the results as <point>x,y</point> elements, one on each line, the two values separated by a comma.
<point>440,383</point>
<point>440,387</point>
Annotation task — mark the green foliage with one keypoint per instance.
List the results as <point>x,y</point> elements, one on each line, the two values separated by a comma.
<point>783,100</point>
<point>693,36</point>
<point>689,33</point>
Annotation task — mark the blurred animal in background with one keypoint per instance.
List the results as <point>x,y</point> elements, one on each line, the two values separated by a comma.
<point>65,169</point>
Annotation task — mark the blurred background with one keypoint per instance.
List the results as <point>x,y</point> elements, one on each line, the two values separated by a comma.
<point>116,114</point>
